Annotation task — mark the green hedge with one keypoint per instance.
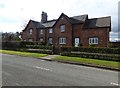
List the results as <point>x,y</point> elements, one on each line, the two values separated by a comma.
<point>109,57</point>
<point>39,51</point>
<point>39,47</point>
<point>92,50</point>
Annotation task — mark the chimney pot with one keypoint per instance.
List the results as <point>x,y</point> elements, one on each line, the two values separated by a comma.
<point>43,17</point>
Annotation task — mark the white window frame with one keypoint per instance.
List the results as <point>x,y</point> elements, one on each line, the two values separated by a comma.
<point>41,31</point>
<point>62,28</point>
<point>62,40</point>
<point>50,30</point>
<point>24,39</point>
<point>93,40</point>
<point>30,39</point>
<point>41,39</point>
<point>50,40</point>
<point>30,31</point>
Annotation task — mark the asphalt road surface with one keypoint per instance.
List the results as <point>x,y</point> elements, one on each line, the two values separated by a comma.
<point>27,71</point>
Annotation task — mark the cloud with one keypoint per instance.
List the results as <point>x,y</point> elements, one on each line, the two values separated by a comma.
<point>15,12</point>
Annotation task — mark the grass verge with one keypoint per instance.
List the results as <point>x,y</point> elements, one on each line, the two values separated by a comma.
<point>27,54</point>
<point>111,64</point>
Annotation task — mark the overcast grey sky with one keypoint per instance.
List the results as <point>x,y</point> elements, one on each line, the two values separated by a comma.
<point>15,13</point>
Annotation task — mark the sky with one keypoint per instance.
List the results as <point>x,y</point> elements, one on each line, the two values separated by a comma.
<point>14,14</point>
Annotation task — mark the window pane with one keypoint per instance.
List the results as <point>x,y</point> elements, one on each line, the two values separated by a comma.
<point>50,30</point>
<point>30,31</point>
<point>50,40</point>
<point>62,40</point>
<point>93,40</point>
<point>30,40</point>
<point>41,31</point>
<point>96,40</point>
<point>41,39</point>
<point>62,28</point>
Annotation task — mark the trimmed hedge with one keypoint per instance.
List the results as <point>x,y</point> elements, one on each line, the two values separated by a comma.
<point>39,47</point>
<point>92,50</point>
<point>39,51</point>
<point>35,47</point>
<point>109,57</point>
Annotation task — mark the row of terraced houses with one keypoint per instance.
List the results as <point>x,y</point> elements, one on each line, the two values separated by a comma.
<point>69,31</point>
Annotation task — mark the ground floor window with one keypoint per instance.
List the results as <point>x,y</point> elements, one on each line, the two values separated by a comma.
<point>41,39</point>
<point>30,39</point>
<point>50,40</point>
<point>62,40</point>
<point>24,39</point>
<point>93,40</point>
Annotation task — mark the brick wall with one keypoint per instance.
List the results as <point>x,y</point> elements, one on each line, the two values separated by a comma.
<point>41,35</point>
<point>67,33</point>
<point>101,33</point>
<point>26,35</point>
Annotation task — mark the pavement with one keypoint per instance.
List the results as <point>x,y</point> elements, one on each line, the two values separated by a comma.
<point>50,58</point>
<point>28,71</point>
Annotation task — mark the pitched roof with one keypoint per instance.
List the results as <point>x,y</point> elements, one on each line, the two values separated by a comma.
<point>98,22</point>
<point>88,23</point>
<point>80,17</point>
<point>49,23</point>
<point>35,23</point>
<point>43,25</point>
<point>75,19</point>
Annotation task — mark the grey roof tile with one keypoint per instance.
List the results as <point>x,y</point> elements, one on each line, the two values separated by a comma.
<point>97,22</point>
<point>49,23</point>
<point>44,25</point>
<point>80,17</point>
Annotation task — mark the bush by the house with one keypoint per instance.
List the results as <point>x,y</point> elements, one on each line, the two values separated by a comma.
<point>109,57</point>
<point>92,50</point>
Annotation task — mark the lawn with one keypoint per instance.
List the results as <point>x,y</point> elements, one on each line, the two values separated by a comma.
<point>27,54</point>
<point>111,64</point>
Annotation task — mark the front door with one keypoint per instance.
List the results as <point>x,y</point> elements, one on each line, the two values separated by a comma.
<point>77,42</point>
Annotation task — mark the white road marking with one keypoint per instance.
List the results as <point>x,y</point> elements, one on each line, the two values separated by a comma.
<point>116,84</point>
<point>42,68</point>
<point>42,60</point>
<point>17,84</point>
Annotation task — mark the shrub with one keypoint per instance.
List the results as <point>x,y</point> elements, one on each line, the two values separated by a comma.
<point>110,57</point>
<point>92,50</point>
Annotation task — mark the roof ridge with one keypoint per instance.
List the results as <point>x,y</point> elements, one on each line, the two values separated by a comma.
<point>79,15</point>
<point>34,21</point>
<point>50,20</point>
<point>100,17</point>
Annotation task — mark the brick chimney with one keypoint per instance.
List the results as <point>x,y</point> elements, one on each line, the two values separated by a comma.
<point>44,17</point>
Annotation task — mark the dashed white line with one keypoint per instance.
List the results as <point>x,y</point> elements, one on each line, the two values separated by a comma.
<point>17,84</point>
<point>42,60</point>
<point>116,84</point>
<point>42,68</point>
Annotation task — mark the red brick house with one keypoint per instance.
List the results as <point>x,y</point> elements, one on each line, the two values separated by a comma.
<point>69,31</point>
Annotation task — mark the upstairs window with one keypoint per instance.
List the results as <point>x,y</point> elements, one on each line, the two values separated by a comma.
<point>62,28</point>
<point>62,40</point>
<point>93,40</point>
<point>30,31</point>
<point>41,31</point>
<point>51,30</point>
<point>50,40</point>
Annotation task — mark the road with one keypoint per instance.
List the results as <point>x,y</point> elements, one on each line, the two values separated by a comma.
<point>27,71</point>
